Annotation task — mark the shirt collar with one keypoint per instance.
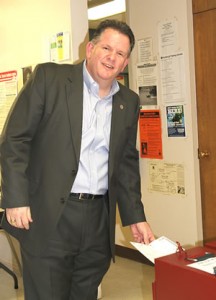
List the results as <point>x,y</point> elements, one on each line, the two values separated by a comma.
<point>93,86</point>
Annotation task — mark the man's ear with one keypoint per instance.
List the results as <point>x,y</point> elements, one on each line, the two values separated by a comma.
<point>89,48</point>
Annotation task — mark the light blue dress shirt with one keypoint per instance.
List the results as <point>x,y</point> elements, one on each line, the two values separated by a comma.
<point>92,176</point>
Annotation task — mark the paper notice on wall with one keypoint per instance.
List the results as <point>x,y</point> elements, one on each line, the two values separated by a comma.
<point>147,82</point>
<point>60,47</point>
<point>8,92</point>
<point>145,50</point>
<point>168,36</point>
<point>166,178</point>
<point>175,121</point>
<point>150,134</point>
<point>173,86</point>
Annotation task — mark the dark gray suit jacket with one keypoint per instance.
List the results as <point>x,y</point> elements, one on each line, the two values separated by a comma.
<point>40,150</point>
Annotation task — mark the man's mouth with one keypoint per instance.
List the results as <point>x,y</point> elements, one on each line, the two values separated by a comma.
<point>108,66</point>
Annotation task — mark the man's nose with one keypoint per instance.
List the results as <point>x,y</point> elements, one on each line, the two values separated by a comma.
<point>112,55</point>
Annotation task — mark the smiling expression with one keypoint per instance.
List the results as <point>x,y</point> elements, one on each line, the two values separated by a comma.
<point>108,56</point>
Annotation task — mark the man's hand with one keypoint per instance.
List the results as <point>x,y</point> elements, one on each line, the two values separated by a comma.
<point>19,217</point>
<point>142,233</point>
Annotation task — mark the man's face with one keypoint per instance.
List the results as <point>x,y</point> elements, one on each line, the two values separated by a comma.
<point>108,57</point>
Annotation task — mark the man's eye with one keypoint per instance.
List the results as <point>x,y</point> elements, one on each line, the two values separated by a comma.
<point>121,54</point>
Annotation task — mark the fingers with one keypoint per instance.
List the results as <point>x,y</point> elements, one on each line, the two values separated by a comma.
<point>146,239</point>
<point>19,217</point>
<point>138,239</point>
<point>12,222</point>
<point>142,233</point>
<point>29,214</point>
<point>137,236</point>
<point>18,223</point>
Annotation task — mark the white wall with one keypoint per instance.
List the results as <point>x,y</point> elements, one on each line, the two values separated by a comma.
<point>177,217</point>
<point>27,25</point>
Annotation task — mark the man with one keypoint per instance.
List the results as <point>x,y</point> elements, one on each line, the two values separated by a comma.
<point>68,154</point>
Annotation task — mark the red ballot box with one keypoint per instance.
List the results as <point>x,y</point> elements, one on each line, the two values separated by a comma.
<point>175,280</point>
<point>211,245</point>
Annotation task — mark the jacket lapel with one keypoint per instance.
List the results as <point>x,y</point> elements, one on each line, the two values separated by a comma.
<point>117,124</point>
<point>74,96</point>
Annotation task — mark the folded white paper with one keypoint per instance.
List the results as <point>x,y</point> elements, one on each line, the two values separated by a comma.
<point>207,265</point>
<point>157,248</point>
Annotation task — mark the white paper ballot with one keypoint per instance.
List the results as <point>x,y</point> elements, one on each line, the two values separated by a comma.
<point>158,248</point>
<point>207,265</point>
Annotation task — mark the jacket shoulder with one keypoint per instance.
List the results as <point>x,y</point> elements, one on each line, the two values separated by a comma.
<point>125,89</point>
<point>51,67</point>
<point>128,94</point>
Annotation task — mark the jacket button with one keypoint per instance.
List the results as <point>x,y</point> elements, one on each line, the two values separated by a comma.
<point>62,200</point>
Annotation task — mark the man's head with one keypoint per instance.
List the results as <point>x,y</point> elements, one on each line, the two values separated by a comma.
<point>122,27</point>
<point>107,54</point>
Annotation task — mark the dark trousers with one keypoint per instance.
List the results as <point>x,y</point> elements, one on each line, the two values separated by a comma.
<point>77,257</point>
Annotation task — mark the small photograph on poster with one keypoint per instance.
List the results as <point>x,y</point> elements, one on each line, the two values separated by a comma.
<point>148,95</point>
<point>175,121</point>
<point>147,82</point>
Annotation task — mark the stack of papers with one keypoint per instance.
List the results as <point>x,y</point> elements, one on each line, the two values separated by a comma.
<point>208,265</point>
<point>158,248</point>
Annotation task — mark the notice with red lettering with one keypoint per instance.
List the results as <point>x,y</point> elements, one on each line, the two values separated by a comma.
<point>8,92</point>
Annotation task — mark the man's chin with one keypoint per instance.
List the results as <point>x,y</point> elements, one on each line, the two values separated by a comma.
<point>108,76</point>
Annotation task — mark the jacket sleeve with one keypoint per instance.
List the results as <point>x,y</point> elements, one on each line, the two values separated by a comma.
<point>129,187</point>
<point>17,135</point>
